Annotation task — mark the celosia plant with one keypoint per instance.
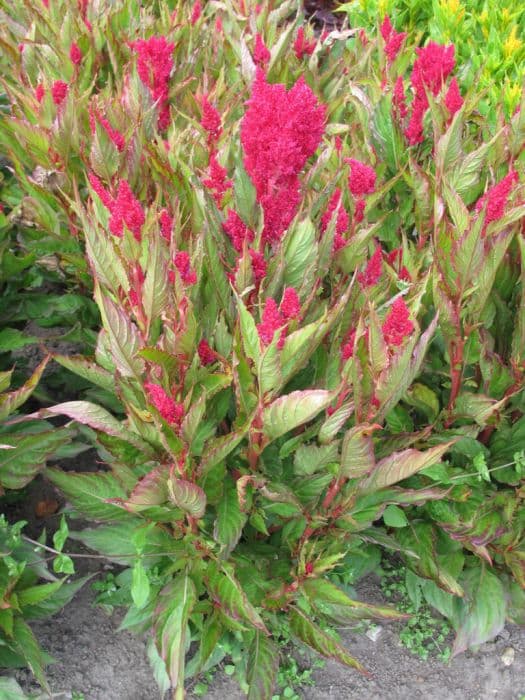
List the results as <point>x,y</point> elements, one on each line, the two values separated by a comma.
<point>301,281</point>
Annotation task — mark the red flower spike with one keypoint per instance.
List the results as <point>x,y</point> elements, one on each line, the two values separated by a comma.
<point>279,132</point>
<point>496,198</point>
<point>206,355</point>
<point>271,322</point>
<point>114,135</point>
<point>414,131</point>
<point>166,225</point>
<point>374,268</point>
<point>433,65</point>
<point>359,213</point>
<point>259,267</point>
<point>40,92</point>
<point>75,54</point>
<point>453,99</point>
<point>183,264</point>
<point>362,179</point>
<point>101,191</point>
<point>399,100</point>
<point>261,55</point>
<point>342,221</point>
<point>397,325</point>
<point>302,46</point>
<point>169,409</point>
<point>393,40</point>
<point>237,231</point>
<point>210,119</point>
<point>59,91</point>
<point>290,305</point>
<point>126,209</point>
<point>154,66</point>
<point>217,182</point>
<point>196,13</point>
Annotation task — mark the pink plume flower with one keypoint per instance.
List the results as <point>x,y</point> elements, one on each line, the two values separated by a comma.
<point>362,179</point>
<point>59,91</point>
<point>261,55</point>
<point>126,209</point>
<point>259,267</point>
<point>433,65</point>
<point>399,99</point>
<point>347,349</point>
<point>495,199</point>
<point>414,130</point>
<point>166,225</point>
<point>114,134</point>
<point>393,40</point>
<point>210,119</point>
<point>169,409</point>
<point>217,182</point>
<point>40,92</point>
<point>373,270</point>
<point>206,355</point>
<point>397,325</point>
<point>237,231</point>
<point>101,191</point>
<point>395,259</point>
<point>271,321</point>
<point>303,46</point>
<point>75,54</point>
<point>154,66</point>
<point>453,99</point>
<point>342,221</point>
<point>279,132</point>
<point>183,264</point>
<point>290,305</point>
<point>196,13</point>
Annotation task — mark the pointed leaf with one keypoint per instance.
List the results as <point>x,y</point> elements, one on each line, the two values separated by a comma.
<point>85,368</point>
<point>230,519</point>
<point>123,337</point>
<point>228,595</point>
<point>188,496</point>
<point>262,667</point>
<point>357,453</point>
<point>14,399</point>
<point>292,410</point>
<point>27,455</point>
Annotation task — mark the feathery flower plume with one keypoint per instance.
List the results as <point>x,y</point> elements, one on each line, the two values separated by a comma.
<point>261,55</point>
<point>206,355</point>
<point>290,305</point>
<point>166,225</point>
<point>495,199</point>
<point>59,91</point>
<point>453,99</point>
<point>237,230</point>
<point>183,264</point>
<point>373,270</point>
<point>169,409</point>
<point>397,325</point>
<point>75,54</point>
<point>154,66</point>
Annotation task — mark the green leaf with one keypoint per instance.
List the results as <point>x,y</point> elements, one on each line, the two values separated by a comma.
<point>314,637</point>
<point>26,645</point>
<point>187,496</point>
<point>51,604</point>
<point>123,336</point>
<point>300,255</point>
<point>13,339</point>
<point>176,601</point>
<point>333,424</point>
<point>309,459</point>
<point>249,333</point>
<point>14,399</point>
<point>333,602</point>
<point>140,587</point>
<point>87,369</point>
<point>245,196</point>
<point>483,615</point>
<point>89,493</point>
<point>401,465</point>
<point>227,593</point>
<point>357,453</point>
<point>394,516</point>
<point>219,448</point>
<point>155,287</point>
<point>262,667</point>
<point>292,410</point>
<point>28,455</point>
<point>230,519</point>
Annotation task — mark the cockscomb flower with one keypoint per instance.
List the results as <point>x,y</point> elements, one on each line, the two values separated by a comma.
<point>166,225</point>
<point>261,55</point>
<point>453,99</point>
<point>399,99</point>
<point>40,92</point>
<point>347,348</point>
<point>206,355</point>
<point>393,40</point>
<point>169,409</point>
<point>114,135</point>
<point>414,130</point>
<point>183,264</point>
<point>217,181</point>
<point>433,65</point>
<point>495,199</point>
<point>237,231</point>
<point>59,91</point>
<point>100,190</point>
<point>373,270</point>
<point>271,322</point>
<point>362,179</point>
<point>126,209</point>
<point>210,119</point>
<point>397,325</point>
<point>395,259</point>
<point>342,221</point>
<point>303,46</point>
<point>290,307</point>
<point>259,266</point>
<point>196,13</point>
<point>75,54</point>
<point>154,66</point>
<point>279,132</point>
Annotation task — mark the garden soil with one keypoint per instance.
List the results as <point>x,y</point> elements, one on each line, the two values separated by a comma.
<point>95,659</point>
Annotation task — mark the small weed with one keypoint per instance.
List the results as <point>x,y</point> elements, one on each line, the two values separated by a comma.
<point>77,695</point>
<point>424,634</point>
